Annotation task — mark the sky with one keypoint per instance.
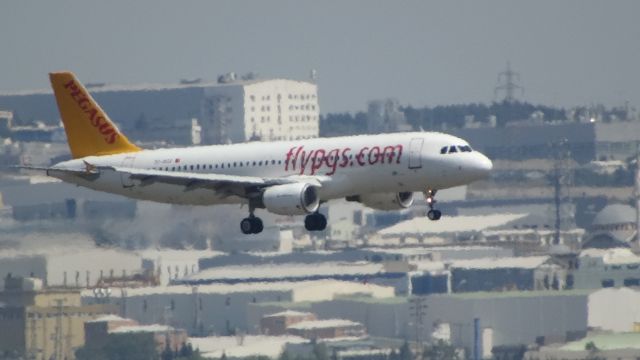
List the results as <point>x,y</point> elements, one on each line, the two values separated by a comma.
<point>423,53</point>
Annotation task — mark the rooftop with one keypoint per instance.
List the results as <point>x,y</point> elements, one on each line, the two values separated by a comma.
<point>513,294</point>
<point>142,328</point>
<point>285,271</point>
<point>612,256</point>
<point>244,346</point>
<point>288,313</point>
<point>331,288</point>
<point>149,87</point>
<point>450,224</point>
<point>606,342</point>
<point>522,262</point>
<point>323,324</point>
<point>106,318</point>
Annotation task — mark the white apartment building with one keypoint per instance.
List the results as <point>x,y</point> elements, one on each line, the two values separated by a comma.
<point>267,110</point>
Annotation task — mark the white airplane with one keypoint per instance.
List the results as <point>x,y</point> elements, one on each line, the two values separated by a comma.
<point>287,177</point>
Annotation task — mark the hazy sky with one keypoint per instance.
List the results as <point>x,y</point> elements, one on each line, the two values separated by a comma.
<point>420,52</point>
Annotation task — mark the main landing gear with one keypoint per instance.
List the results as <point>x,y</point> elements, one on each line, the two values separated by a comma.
<point>251,225</point>
<point>315,222</point>
<point>432,214</point>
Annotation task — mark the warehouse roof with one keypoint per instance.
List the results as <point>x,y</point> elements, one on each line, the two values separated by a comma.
<point>141,328</point>
<point>250,345</point>
<point>612,256</point>
<point>450,224</point>
<point>288,313</point>
<point>323,324</point>
<point>330,287</point>
<point>521,262</point>
<point>264,272</point>
<point>606,342</point>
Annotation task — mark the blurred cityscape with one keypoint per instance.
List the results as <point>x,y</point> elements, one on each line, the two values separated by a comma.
<point>540,261</point>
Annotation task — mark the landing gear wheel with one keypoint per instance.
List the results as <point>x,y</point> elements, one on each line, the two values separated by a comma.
<point>315,222</point>
<point>434,214</point>
<point>251,225</point>
<point>257,225</point>
<point>430,196</point>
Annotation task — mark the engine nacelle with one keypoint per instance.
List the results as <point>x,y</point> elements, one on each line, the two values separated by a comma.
<point>385,201</point>
<point>291,199</point>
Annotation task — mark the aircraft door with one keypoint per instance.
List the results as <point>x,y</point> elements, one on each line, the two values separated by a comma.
<point>415,153</point>
<point>127,163</point>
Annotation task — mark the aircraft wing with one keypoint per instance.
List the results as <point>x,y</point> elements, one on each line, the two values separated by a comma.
<point>237,185</point>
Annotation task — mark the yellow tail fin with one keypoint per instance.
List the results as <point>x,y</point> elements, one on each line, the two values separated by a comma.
<point>89,129</point>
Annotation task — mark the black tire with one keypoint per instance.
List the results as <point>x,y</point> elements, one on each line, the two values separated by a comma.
<point>246,226</point>
<point>438,215</point>
<point>257,225</point>
<point>321,222</point>
<point>431,214</point>
<point>310,222</point>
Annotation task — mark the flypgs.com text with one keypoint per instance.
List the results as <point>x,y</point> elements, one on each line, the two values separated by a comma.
<point>311,161</point>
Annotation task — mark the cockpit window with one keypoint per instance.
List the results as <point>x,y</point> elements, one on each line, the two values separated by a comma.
<point>455,148</point>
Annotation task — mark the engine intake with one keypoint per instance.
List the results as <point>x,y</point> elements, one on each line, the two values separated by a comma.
<point>385,201</point>
<point>291,199</point>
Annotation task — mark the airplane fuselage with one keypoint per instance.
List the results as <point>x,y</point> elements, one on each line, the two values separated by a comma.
<point>347,166</point>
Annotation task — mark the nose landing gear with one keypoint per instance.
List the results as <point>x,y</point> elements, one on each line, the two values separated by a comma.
<point>432,214</point>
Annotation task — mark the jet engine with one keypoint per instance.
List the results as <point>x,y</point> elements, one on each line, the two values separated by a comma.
<point>385,201</point>
<point>291,199</point>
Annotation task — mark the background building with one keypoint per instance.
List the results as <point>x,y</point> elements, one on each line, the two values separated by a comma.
<point>229,110</point>
<point>42,323</point>
<point>267,110</point>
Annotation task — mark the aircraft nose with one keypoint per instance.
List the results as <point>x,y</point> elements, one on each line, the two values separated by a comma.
<point>483,166</point>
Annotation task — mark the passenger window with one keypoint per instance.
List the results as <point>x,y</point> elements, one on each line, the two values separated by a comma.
<point>273,162</point>
<point>452,149</point>
<point>444,150</point>
<point>198,167</point>
<point>191,167</point>
<point>222,166</point>
<point>259,163</point>
<point>216,166</point>
<point>234,164</point>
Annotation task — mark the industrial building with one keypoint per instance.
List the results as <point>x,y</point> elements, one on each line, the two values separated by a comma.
<point>243,346</point>
<point>222,308</point>
<point>625,318</point>
<point>45,323</point>
<point>233,109</point>
<point>603,346</point>
<point>507,318</point>
<point>69,267</point>
<point>586,141</point>
<point>603,268</point>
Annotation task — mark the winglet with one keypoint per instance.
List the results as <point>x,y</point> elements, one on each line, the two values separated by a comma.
<point>89,129</point>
